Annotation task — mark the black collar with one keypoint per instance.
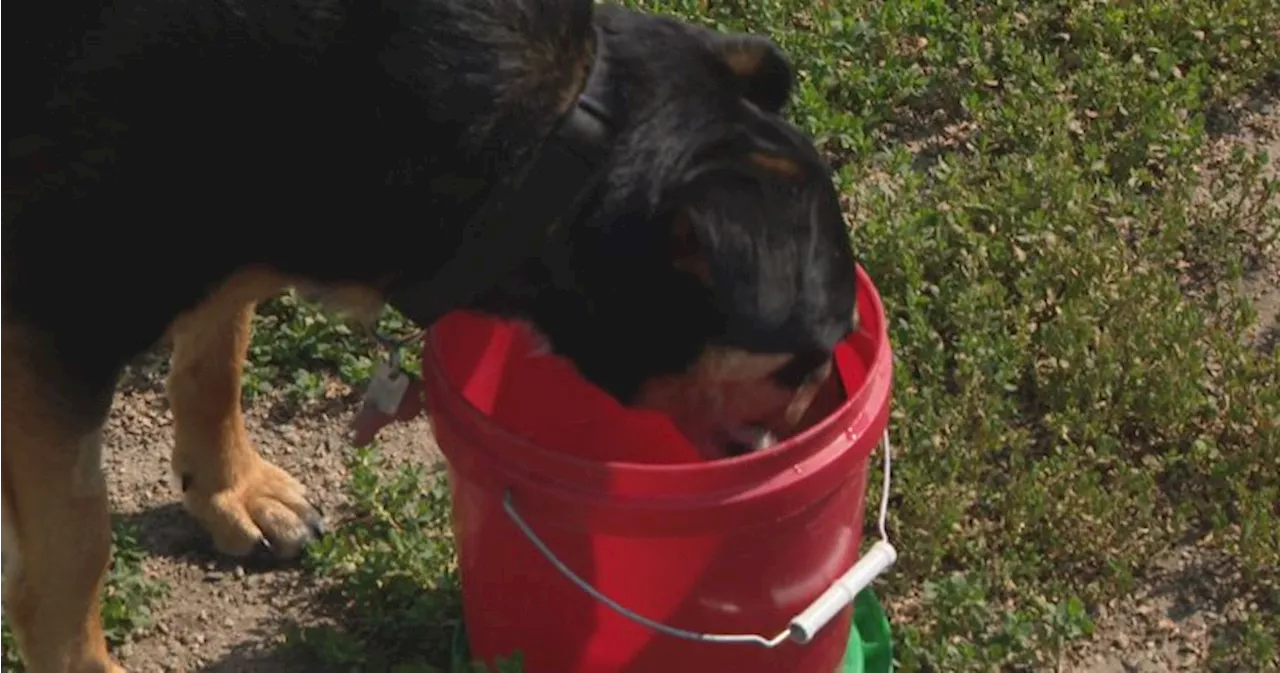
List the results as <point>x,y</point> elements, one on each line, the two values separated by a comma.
<point>518,215</point>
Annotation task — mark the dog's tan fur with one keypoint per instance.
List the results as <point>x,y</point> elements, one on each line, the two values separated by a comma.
<point>54,510</point>
<point>732,383</point>
<point>780,165</point>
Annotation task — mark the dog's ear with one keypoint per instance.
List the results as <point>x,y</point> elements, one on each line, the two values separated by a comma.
<point>752,175</point>
<point>760,68</point>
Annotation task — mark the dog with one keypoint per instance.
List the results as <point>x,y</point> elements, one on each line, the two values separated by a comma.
<point>621,182</point>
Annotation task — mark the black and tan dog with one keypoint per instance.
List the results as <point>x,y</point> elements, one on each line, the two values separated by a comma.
<point>623,182</point>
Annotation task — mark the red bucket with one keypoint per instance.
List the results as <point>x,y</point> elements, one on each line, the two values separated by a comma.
<point>733,546</point>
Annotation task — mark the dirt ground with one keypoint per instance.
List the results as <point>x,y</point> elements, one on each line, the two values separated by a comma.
<point>1166,625</point>
<point>222,617</point>
<point>1262,130</point>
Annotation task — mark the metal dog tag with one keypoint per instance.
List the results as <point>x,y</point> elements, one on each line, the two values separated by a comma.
<point>387,388</point>
<point>392,395</point>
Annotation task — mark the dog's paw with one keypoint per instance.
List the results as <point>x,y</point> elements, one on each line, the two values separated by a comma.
<point>265,512</point>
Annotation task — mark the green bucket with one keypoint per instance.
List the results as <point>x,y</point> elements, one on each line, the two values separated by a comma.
<point>870,648</point>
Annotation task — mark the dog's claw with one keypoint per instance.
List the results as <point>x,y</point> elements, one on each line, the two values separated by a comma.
<point>266,515</point>
<point>264,548</point>
<point>262,555</point>
<point>315,519</point>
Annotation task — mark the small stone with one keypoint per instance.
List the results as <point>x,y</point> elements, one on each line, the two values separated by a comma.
<point>239,572</point>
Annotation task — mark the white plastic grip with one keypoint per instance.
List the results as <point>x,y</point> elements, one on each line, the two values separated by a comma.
<point>842,592</point>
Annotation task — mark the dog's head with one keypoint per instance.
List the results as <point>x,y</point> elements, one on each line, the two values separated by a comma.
<point>710,276</point>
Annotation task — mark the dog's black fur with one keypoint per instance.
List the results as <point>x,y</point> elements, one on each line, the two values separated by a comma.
<point>155,148</point>
<point>343,143</point>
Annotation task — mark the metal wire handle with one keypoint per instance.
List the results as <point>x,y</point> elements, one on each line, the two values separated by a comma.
<point>791,632</point>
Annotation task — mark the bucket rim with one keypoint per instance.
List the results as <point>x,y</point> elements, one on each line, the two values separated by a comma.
<point>794,450</point>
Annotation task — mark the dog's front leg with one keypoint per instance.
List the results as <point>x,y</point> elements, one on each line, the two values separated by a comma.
<point>57,531</point>
<point>247,504</point>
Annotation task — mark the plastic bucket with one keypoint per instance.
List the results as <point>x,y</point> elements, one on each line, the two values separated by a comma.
<point>734,546</point>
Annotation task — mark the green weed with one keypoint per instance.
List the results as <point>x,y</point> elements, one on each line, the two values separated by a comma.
<point>127,596</point>
<point>391,576</point>
<point>299,348</point>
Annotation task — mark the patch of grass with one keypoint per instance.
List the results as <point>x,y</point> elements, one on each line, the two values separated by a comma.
<point>299,350</point>
<point>391,576</point>
<point>127,597</point>
<point>1073,395</point>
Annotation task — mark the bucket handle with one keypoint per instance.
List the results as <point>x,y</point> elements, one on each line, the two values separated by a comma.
<point>803,627</point>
